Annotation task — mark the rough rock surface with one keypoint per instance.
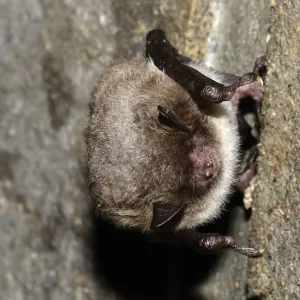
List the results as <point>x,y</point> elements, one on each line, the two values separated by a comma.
<point>276,207</point>
<point>49,58</point>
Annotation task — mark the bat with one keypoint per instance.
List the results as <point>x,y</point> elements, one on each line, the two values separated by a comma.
<point>163,145</point>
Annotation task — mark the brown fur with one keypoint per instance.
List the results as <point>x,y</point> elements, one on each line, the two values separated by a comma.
<point>134,161</point>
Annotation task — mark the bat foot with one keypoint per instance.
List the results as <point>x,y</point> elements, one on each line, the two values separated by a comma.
<point>215,242</point>
<point>205,243</point>
<point>252,90</point>
<point>244,179</point>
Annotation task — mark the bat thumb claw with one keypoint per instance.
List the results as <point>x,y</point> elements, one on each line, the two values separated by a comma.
<point>250,252</point>
<point>259,79</point>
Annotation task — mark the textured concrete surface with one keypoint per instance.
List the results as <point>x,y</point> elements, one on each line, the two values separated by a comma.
<point>47,66</point>
<point>275,220</point>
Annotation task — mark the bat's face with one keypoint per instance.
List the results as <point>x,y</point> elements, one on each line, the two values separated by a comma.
<point>148,143</point>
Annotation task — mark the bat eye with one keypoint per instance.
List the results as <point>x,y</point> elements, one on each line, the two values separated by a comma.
<point>170,119</point>
<point>165,118</point>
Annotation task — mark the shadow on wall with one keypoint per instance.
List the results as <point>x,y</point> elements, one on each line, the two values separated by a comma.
<point>136,269</point>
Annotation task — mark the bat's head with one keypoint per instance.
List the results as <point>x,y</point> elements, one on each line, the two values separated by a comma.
<point>154,155</point>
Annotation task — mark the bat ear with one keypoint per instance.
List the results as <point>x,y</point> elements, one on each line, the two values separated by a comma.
<point>164,213</point>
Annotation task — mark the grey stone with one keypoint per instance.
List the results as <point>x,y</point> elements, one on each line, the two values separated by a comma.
<point>276,206</point>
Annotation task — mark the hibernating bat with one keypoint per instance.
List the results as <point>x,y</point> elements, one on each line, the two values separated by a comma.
<point>162,145</point>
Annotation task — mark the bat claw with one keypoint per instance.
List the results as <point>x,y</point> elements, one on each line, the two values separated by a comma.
<point>259,79</point>
<point>250,252</point>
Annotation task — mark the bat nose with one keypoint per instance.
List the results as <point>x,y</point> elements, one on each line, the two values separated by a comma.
<point>208,169</point>
<point>204,165</point>
<point>209,163</point>
<point>208,173</point>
